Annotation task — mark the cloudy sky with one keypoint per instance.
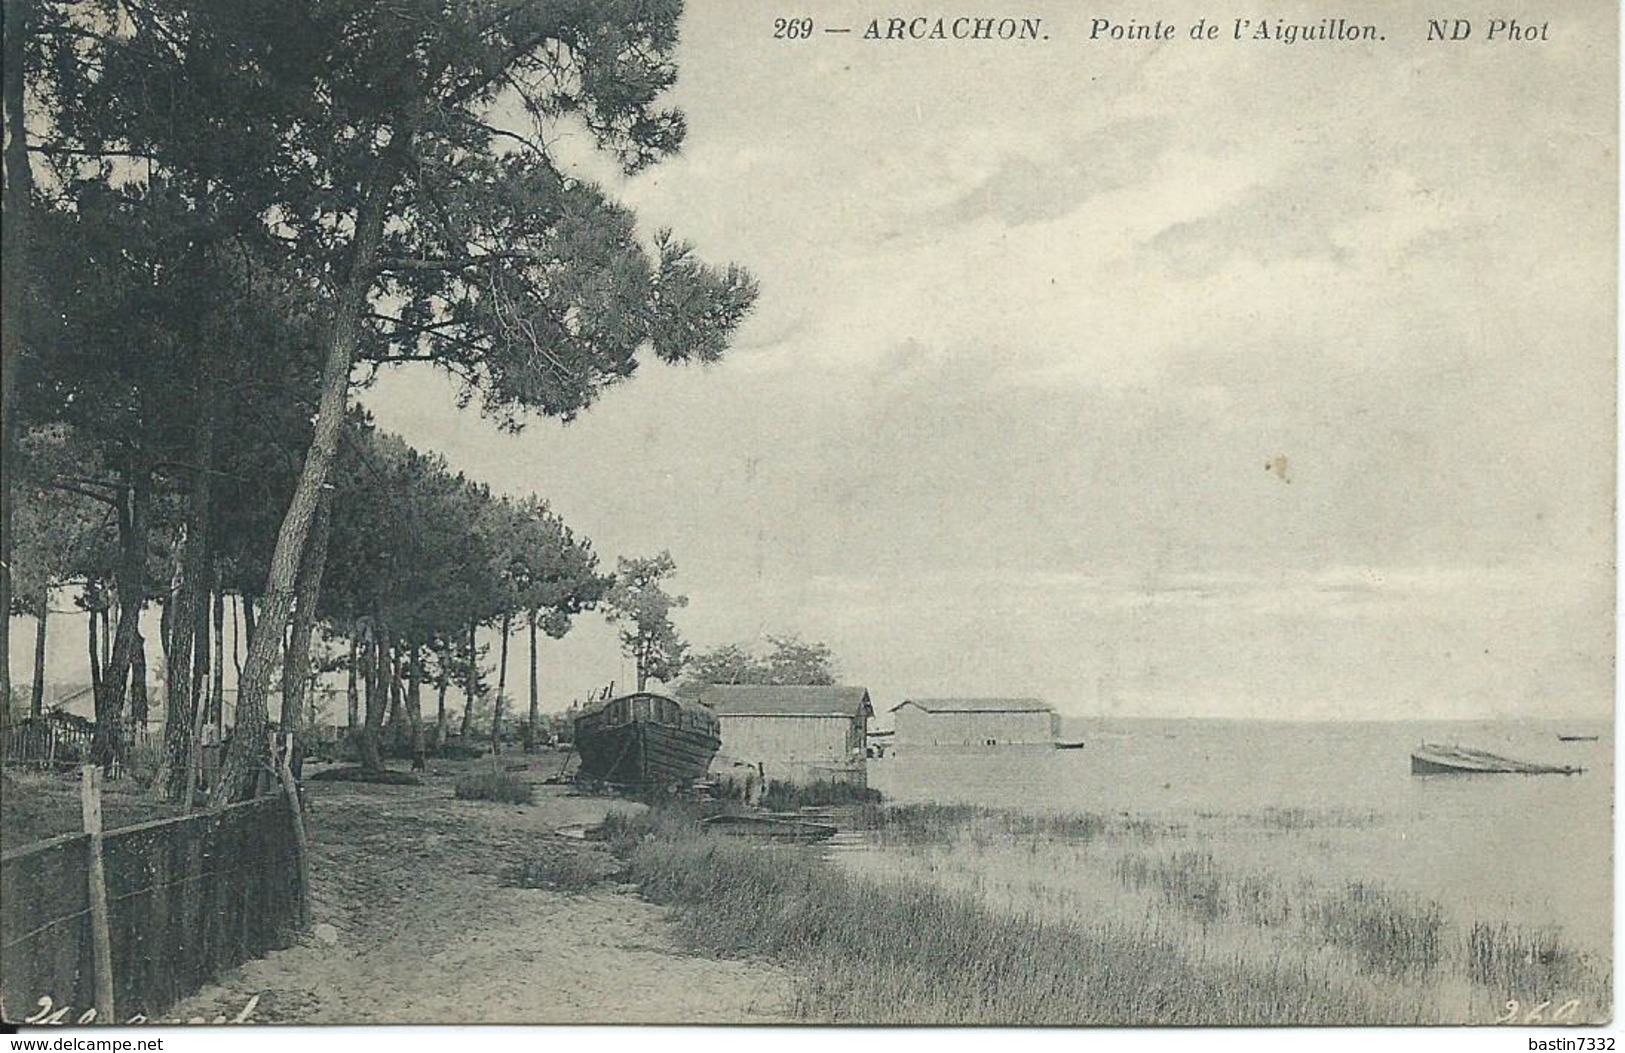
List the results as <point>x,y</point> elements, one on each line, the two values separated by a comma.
<point>1215,379</point>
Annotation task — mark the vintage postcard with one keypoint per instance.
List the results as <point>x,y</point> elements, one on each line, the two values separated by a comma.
<point>1044,514</point>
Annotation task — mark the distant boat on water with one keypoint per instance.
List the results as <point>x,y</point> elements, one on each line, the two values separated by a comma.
<point>645,739</point>
<point>1078,745</point>
<point>1577,738</point>
<point>1433,759</point>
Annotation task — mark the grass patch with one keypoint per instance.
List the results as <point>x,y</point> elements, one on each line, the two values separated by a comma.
<point>788,796</point>
<point>567,870</point>
<point>908,953</point>
<point>497,786</point>
<point>356,773</point>
<point>928,824</point>
<point>1519,961</point>
<point>1388,933</point>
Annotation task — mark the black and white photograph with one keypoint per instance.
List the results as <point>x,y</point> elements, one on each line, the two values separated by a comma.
<point>810,515</point>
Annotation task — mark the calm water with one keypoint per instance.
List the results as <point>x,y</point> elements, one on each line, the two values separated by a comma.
<point>1534,850</point>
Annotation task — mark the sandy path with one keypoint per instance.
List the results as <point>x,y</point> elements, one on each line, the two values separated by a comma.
<point>412,882</point>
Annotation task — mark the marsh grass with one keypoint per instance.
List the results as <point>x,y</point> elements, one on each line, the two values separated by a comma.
<point>499,786</point>
<point>906,952</point>
<point>1532,962</point>
<point>938,824</point>
<point>1387,932</point>
<point>1384,934</point>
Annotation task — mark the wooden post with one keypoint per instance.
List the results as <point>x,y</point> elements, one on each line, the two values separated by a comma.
<point>90,798</point>
<point>300,847</point>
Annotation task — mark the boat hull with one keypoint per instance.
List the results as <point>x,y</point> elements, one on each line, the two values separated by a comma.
<point>633,742</point>
<point>1456,760</point>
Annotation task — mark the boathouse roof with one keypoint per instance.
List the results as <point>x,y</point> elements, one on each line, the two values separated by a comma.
<point>975,705</point>
<point>756,700</point>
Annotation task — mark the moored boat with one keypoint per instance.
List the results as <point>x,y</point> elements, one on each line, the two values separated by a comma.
<point>776,828</point>
<point>1435,759</point>
<point>1577,738</point>
<point>645,739</point>
<point>1069,745</point>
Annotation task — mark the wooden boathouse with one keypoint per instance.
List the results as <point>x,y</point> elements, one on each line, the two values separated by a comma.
<point>974,722</point>
<point>792,734</point>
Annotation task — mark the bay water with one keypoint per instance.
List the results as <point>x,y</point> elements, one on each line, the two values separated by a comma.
<point>1331,803</point>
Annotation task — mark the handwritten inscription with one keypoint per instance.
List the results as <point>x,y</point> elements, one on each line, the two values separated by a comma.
<point>49,1014</point>
<point>1549,1011</point>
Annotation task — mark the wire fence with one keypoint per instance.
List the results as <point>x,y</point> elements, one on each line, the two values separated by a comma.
<point>187,898</point>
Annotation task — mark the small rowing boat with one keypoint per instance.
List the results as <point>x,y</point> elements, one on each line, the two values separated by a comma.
<point>1069,745</point>
<point>1434,759</point>
<point>771,827</point>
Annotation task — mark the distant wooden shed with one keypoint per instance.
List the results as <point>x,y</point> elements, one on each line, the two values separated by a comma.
<point>793,734</point>
<point>974,722</point>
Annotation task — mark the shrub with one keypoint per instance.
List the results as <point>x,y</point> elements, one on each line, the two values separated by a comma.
<point>495,786</point>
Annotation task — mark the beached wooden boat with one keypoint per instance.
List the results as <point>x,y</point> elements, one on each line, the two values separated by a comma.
<point>645,739</point>
<point>1434,759</point>
<point>776,828</point>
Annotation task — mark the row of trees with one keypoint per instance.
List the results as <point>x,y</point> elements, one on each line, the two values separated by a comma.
<point>221,217</point>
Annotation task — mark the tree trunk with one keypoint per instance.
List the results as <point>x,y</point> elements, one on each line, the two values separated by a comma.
<point>36,704</point>
<point>217,692</point>
<point>371,758</point>
<point>132,591</point>
<point>535,705</point>
<point>440,729</point>
<point>237,775</point>
<point>351,697</point>
<point>249,626</point>
<point>397,700</point>
<point>502,685</point>
<point>307,593</point>
<point>93,643</point>
<point>14,301</point>
<point>203,653</point>
<point>469,685</point>
<point>138,683</point>
<point>180,715</point>
<point>414,700</point>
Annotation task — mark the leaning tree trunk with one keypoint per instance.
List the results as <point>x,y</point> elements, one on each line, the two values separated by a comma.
<point>307,593</point>
<point>502,686</point>
<point>249,747</point>
<point>36,705</point>
<point>535,705</point>
<point>14,300</point>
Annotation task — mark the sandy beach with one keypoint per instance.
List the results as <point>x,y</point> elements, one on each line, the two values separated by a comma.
<point>416,921</point>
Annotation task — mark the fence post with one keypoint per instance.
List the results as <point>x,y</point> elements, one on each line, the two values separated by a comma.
<point>301,849</point>
<point>90,799</point>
